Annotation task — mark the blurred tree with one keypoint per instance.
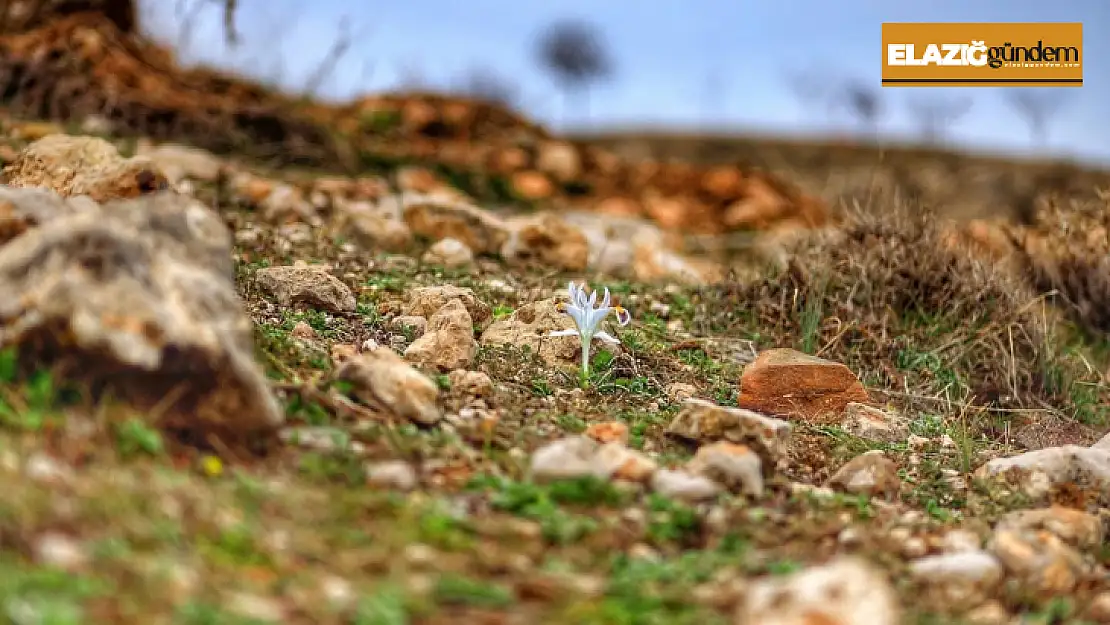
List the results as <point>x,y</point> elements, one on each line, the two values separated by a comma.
<point>865,103</point>
<point>1037,107</point>
<point>936,114</point>
<point>573,51</point>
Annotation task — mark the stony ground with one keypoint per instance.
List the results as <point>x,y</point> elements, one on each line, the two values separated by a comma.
<point>232,398</point>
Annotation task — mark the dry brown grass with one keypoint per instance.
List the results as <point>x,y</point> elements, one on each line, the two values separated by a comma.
<point>913,315</point>
<point>1080,283</point>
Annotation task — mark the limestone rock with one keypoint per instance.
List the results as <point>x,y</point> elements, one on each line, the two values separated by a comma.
<point>448,343</point>
<point>704,421</point>
<point>1043,563</point>
<point>22,209</point>
<point>961,580</point>
<point>530,326</point>
<point>383,379</point>
<point>373,229</point>
<point>436,218</point>
<point>1037,473</point>
<point>181,162</point>
<point>559,159</point>
<point>734,466</point>
<point>141,293</point>
<point>426,301</point>
<point>88,166</point>
<point>685,486</point>
<point>870,473</point>
<point>450,253</point>
<point>844,591</point>
<point>306,284</point>
<point>548,240</point>
<point>471,383</point>
<point>874,424</point>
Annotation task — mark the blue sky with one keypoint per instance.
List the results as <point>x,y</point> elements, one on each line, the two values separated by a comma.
<point>689,63</point>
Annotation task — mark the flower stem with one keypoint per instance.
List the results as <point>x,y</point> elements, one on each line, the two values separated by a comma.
<point>585,381</point>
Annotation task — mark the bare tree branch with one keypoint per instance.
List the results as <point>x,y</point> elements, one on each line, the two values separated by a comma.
<point>188,16</point>
<point>336,52</point>
<point>936,114</point>
<point>1037,107</point>
<point>863,102</point>
<point>230,35</point>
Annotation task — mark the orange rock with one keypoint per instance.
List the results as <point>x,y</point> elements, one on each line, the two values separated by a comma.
<point>621,206</point>
<point>483,232</point>
<point>637,468</point>
<point>668,212</point>
<point>602,161</point>
<point>677,177</point>
<point>370,188</point>
<point>1097,238</point>
<point>813,211</point>
<point>7,154</point>
<point>553,242</point>
<point>334,186</point>
<point>509,160</point>
<point>12,222</point>
<point>559,159</point>
<point>33,131</point>
<point>990,237</point>
<point>644,173</point>
<point>786,382</point>
<point>532,185</point>
<point>652,261</point>
<point>417,179</point>
<point>459,154</point>
<point>451,475</point>
<point>255,190</point>
<point>416,114</point>
<point>723,182</point>
<point>760,206</point>
<point>608,432</point>
<point>457,113</point>
<point>342,352</point>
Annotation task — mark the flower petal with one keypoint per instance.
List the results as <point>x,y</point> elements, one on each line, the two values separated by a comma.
<point>580,298</point>
<point>581,317</point>
<point>597,315</point>
<point>608,338</point>
<point>563,333</point>
<point>593,299</point>
<point>623,316</point>
<point>605,301</point>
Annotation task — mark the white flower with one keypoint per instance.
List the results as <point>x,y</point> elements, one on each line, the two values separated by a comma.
<point>587,319</point>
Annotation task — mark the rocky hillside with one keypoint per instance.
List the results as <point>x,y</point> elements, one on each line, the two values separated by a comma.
<point>953,184</point>
<point>244,389</point>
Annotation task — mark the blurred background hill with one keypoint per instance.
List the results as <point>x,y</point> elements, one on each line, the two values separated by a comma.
<point>721,120</point>
<point>794,68</point>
